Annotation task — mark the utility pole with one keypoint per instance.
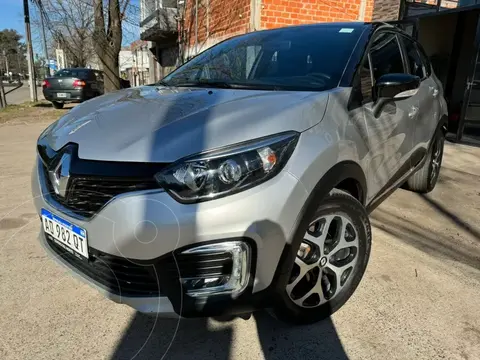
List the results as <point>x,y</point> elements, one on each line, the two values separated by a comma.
<point>141,59</point>
<point>28,36</point>
<point>6,62</point>
<point>45,51</point>
<point>3,98</point>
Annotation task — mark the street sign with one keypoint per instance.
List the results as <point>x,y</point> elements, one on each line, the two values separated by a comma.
<point>52,64</point>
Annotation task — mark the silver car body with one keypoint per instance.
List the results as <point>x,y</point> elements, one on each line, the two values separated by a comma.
<point>163,124</point>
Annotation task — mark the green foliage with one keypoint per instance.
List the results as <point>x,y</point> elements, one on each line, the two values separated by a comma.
<point>14,50</point>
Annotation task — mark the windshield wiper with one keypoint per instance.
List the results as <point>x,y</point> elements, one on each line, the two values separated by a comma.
<point>161,82</point>
<point>227,85</point>
<point>213,84</point>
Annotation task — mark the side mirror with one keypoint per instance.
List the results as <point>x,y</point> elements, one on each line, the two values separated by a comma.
<point>392,87</point>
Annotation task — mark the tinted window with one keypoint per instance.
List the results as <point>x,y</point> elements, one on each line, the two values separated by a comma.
<point>293,58</point>
<point>413,58</point>
<point>385,55</point>
<point>77,73</point>
<point>365,82</point>
<point>425,60</point>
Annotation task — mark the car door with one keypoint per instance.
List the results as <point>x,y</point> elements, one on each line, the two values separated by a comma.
<point>427,97</point>
<point>388,137</point>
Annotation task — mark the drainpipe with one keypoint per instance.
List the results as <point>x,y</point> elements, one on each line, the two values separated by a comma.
<point>361,11</point>
<point>208,18</point>
<point>196,27</point>
<point>255,13</point>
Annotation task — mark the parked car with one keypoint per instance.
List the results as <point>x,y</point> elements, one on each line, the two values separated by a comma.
<point>72,85</point>
<point>245,178</point>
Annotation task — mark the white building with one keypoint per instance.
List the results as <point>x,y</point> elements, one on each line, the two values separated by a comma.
<point>134,65</point>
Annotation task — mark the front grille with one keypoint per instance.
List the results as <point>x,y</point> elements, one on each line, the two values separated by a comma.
<point>117,275</point>
<point>86,196</point>
<point>131,278</point>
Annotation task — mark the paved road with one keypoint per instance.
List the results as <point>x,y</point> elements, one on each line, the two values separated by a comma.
<point>21,94</point>
<point>418,300</point>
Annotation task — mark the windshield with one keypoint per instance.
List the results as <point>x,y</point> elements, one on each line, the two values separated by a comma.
<point>297,58</point>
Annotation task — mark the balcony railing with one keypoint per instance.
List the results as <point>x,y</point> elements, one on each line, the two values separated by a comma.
<point>158,17</point>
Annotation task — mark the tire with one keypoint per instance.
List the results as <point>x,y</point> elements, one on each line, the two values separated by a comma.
<point>339,210</point>
<point>425,178</point>
<point>57,105</point>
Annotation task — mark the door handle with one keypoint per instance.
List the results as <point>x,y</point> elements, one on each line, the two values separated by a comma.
<point>434,91</point>
<point>413,112</point>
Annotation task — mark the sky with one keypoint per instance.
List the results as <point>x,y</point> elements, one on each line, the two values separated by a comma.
<point>11,17</point>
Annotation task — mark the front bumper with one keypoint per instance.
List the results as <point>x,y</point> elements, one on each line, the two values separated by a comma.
<point>156,304</point>
<point>148,225</point>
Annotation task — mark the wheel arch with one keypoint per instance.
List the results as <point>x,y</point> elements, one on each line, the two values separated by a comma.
<point>346,175</point>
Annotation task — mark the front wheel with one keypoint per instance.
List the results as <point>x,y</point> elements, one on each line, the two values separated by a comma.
<point>330,261</point>
<point>57,105</point>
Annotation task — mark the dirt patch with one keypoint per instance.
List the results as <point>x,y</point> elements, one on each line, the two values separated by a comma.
<point>11,223</point>
<point>30,112</point>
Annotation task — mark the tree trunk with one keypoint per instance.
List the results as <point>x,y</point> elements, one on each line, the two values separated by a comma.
<point>107,37</point>
<point>110,72</point>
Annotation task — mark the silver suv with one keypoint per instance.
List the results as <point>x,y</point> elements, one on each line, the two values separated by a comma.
<point>245,178</point>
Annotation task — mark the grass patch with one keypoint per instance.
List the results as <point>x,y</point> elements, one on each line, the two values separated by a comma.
<point>30,112</point>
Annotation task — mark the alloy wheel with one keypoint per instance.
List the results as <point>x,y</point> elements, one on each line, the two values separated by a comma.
<point>325,261</point>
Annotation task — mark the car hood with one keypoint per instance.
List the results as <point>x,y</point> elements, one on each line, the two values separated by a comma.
<point>163,124</point>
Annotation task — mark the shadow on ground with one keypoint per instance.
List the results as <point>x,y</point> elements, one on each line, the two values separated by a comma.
<point>44,105</point>
<point>150,338</point>
<point>439,243</point>
<point>471,137</point>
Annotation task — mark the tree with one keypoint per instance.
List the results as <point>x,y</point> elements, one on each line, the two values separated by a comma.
<point>107,37</point>
<point>71,25</point>
<point>12,51</point>
<point>90,32</point>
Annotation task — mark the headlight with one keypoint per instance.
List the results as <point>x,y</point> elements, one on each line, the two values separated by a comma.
<point>227,171</point>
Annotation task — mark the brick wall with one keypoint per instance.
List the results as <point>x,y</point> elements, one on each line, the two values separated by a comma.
<point>386,10</point>
<point>369,10</point>
<point>217,20</point>
<point>278,13</point>
<point>221,19</point>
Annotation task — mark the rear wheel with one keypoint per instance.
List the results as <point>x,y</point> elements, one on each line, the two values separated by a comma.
<point>425,179</point>
<point>57,105</point>
<point>330,261</point>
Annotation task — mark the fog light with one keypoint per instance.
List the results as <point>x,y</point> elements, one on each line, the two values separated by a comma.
<point>219,282</point>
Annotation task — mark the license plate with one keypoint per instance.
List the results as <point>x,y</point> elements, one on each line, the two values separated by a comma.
<point>62,95</point>
<point>69,236</point>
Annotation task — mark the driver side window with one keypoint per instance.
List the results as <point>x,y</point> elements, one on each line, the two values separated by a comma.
<point>384,57</point>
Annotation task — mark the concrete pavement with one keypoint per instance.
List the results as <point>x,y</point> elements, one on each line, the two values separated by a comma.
<point>419,298</point>
<point>21,94</point>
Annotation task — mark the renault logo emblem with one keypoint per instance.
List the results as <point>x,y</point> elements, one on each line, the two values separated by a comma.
<point>60,175</point>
